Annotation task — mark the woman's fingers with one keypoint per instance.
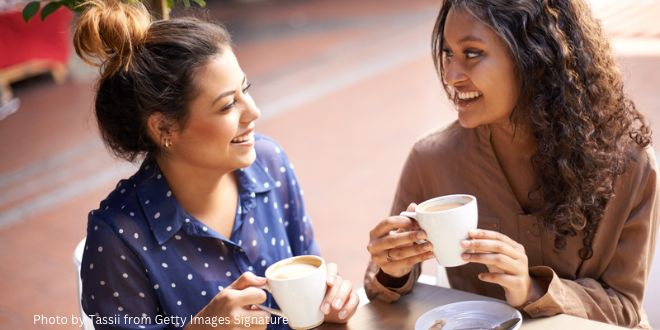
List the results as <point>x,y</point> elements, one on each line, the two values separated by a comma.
<point>408,251</point>
<point>330,294</point>
<point>406,263</point>
<point>507,281</point>
<point>344,292</point>
<point>349,307</point>
<point>492,235</point>
<point>245,297</point>
<point>500,261</point>
<point>491,246</point>
<point>394,240</point>
<point>506,261</point>
<point>331,273</point>
<point>247,279</point>
<point>411,207</point>
<point>392,223</point>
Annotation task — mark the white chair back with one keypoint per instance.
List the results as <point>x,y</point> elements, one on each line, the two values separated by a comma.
<point>441,277</point>
<point>77,260</point>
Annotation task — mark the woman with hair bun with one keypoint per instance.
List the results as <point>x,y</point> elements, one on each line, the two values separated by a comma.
<point>212,205</point>
<point>555,152</point>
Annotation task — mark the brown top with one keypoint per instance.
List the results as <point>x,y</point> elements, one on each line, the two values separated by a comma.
<point>608,287</point>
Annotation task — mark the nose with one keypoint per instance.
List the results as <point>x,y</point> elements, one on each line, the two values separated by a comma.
<point>454,73</point>
<point>250,112</point>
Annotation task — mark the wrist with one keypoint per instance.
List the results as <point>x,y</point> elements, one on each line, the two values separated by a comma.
<point>536,291</point>
<point>390,281</point>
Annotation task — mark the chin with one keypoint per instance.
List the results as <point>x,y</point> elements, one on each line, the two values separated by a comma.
<point>467,123</point>
<point>248,159</point>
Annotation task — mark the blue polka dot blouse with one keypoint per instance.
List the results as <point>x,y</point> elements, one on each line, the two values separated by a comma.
<point>148,264</point>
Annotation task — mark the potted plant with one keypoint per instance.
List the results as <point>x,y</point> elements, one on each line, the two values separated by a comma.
<point>160,8</point>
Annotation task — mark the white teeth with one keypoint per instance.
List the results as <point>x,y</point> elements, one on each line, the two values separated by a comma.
<point>467,95</point>
<point>243,138</point>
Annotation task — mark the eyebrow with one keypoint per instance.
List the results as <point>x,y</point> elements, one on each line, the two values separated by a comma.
<point>470,37</point>
<point>466,38</point>
<point>227,93</point>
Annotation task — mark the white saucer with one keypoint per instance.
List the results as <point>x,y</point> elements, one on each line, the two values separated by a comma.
<point>467,314</point>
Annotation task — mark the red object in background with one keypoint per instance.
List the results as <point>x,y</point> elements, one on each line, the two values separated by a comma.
<point>32,48</point>
<point>22,41</point>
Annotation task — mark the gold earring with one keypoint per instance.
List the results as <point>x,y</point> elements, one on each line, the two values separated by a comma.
<point>167,143</point>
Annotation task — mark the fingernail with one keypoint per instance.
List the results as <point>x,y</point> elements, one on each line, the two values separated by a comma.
<point>337,304</point>
<point>325,308</point>
<point>421,235</point>
<point>342,315</point>
<point>465,243</point>
<point>331,279</point>
<point>465,256</point>
<point>473,232</point>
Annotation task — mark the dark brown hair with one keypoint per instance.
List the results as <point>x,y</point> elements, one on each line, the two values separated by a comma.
<point>146,67</point>
<point>572,98</point>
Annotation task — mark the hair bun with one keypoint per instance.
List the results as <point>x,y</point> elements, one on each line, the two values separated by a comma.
<point>108,31</point>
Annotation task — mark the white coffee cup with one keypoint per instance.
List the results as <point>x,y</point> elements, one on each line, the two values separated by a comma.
<point>298,285</point>
<point>446,221</point>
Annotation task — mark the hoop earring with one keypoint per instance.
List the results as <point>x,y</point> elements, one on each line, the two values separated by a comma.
<point>167,143</point>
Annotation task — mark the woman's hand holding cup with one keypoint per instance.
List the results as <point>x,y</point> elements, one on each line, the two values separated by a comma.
<point>239,299</point>
<point>340,301</point>
<point>393,245</point>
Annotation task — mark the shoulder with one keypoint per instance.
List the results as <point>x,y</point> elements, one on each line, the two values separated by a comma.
<point>445,142</point>
<point>639,180</point>
<point>121,208</point>
<point>642,162</point>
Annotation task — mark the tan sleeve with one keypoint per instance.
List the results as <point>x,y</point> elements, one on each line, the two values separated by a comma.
<point>615,297</point>
<point>375,290</point>
<point>408,191</point>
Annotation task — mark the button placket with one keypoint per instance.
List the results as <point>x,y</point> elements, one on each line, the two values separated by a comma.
<point>530,238</point>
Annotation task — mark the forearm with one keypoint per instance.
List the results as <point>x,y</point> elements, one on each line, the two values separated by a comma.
<point>586,298</point>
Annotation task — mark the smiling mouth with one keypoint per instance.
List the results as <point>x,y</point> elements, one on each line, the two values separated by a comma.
<point>245,138</point>
<point>463,99</point>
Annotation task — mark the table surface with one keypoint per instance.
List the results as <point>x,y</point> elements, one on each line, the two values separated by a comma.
<point>403,314</point>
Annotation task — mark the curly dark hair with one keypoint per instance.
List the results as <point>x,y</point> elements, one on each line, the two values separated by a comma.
<point>572,99</point>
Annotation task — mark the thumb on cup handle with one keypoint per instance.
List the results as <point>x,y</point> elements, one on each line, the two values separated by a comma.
<point>268,309</point>
<point>412,215</point>
<point>412,207</point>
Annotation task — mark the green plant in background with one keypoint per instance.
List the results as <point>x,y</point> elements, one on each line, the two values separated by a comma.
<point>32,8</point>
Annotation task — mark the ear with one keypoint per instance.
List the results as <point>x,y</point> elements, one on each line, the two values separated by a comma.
<point>159,127</point>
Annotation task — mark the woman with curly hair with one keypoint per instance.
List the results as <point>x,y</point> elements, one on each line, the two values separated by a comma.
<point>556,154</point>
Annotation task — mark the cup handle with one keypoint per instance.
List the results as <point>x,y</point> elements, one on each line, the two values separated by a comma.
<point>269,309</point>
<point>272,310</point>
<point>411,215</point>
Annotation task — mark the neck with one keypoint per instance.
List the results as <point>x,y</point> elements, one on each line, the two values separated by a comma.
<point>517,141</point>
<point>198,190</point>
